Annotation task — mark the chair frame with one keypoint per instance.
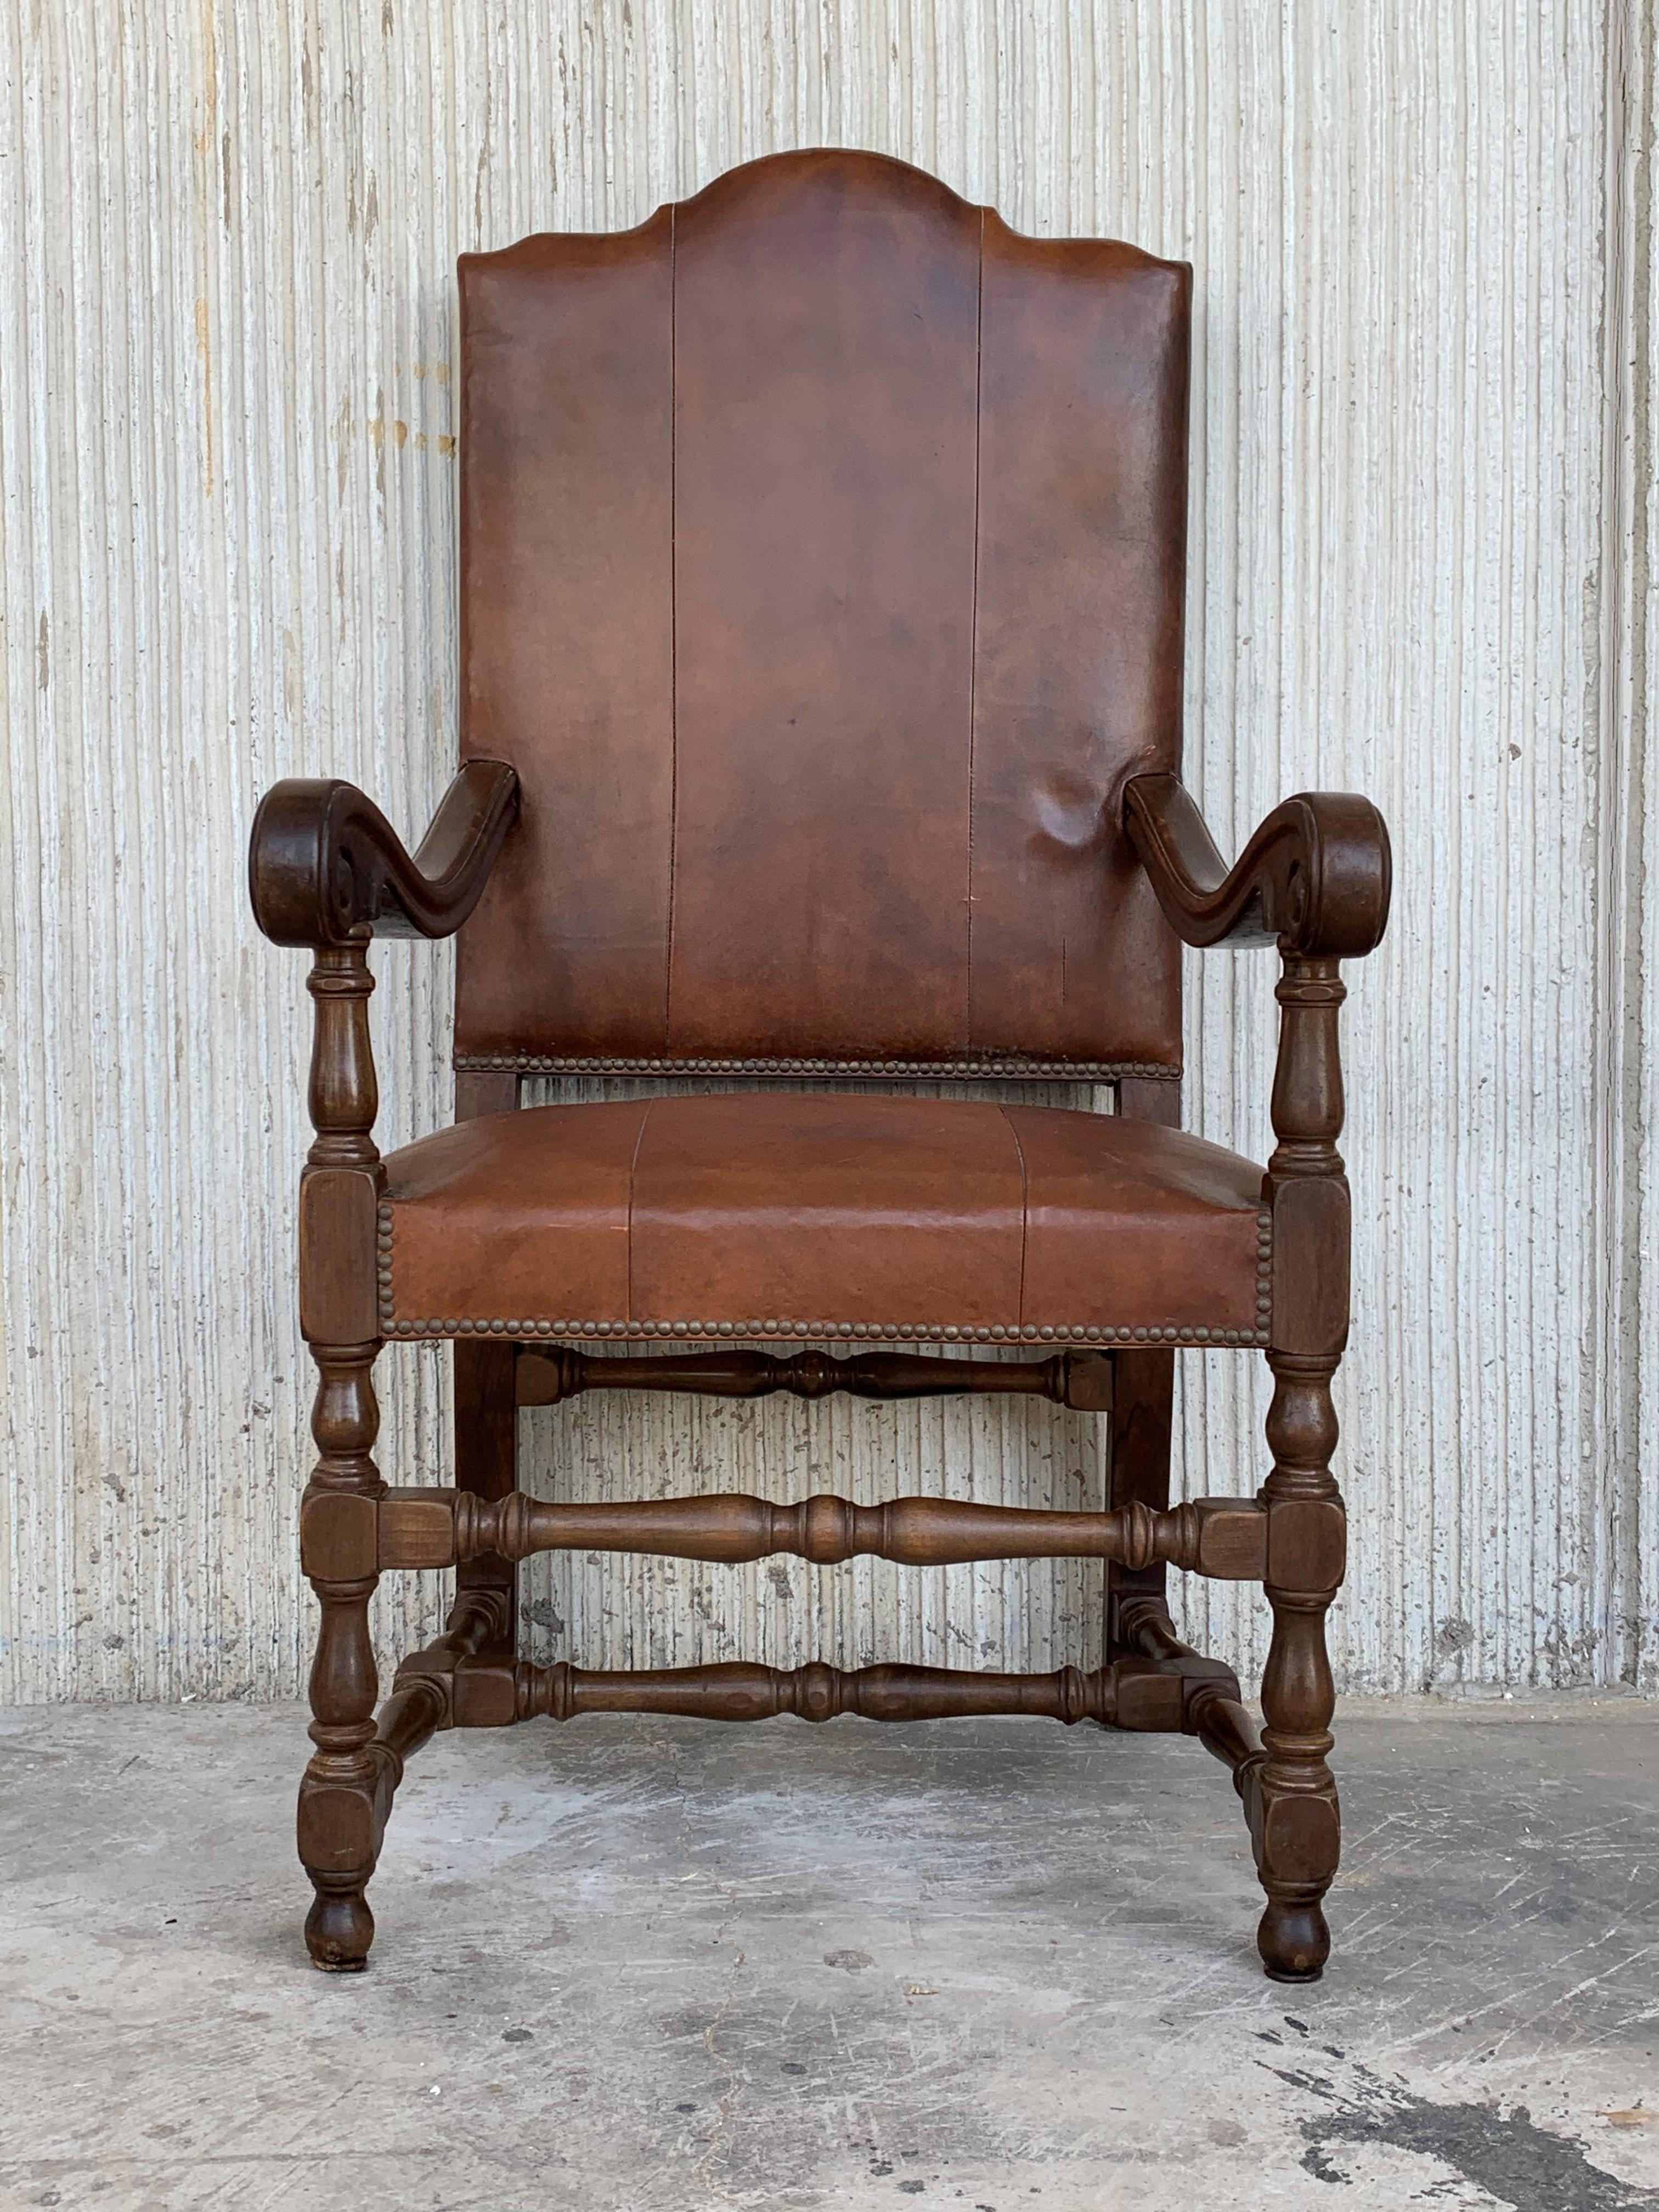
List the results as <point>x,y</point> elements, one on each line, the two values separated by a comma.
<point>327,872</point>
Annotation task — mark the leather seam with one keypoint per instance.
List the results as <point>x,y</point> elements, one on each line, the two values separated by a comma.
<point>973,627</point>
<point>673,620</point>
<point>1025,1207</point>
<point>633,1169</point>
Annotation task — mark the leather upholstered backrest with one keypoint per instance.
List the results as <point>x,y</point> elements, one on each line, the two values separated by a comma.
<point>822,562</point>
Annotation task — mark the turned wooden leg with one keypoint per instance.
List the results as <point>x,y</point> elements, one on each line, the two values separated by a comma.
<point>1143,1400</point>
<point>1142,1393</point>
<point>341,1811</point>
<point>347,1787</point>
<point>1298,1825</point>
<point>486,1404</point>
<point>1288,1794</point>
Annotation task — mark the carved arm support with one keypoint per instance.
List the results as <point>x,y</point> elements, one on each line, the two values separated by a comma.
<point>1315,878</point>
<point>325,868</point>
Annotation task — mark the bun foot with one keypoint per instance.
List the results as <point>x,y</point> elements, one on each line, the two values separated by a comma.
<point>1294,1942</point>
<point>339,1928</point>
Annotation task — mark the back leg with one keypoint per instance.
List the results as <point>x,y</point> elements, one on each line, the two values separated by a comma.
<point>486,1410</point>
<point>1143,1389</point>
<point>1143,1397</point>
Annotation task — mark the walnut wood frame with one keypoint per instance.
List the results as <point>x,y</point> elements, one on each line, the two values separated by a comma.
<point>327,871</point>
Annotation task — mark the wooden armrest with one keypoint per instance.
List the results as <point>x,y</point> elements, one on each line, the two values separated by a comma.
<point>324,862</point>
<point>1314,879</point>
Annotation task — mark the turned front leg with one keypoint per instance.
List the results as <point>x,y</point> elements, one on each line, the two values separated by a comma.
<point>340,1816</point>
<point>343,1795</point>
<point>1291,1796</point>
<point>1299,1827</point>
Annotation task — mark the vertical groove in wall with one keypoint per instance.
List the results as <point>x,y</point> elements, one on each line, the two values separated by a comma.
<point>1423,539</point>
<point>1635,1351</point>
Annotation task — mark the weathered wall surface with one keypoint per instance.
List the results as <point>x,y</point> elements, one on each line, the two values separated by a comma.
<point>1423,532</point>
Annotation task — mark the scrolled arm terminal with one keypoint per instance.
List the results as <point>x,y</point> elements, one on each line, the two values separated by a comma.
<point>1314,879</point>
<point>325,865</point>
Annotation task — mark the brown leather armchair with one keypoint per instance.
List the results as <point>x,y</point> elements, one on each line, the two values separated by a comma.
<point>822,550</point>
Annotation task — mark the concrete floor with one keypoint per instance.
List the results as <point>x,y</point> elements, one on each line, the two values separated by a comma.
<point>638,1965</point>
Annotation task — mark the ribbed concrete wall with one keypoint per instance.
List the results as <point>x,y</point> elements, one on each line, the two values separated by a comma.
<point>1424,534</point>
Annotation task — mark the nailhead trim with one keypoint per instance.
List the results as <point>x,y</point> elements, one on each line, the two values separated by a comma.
<point>1081,1071</point>
<point>860,1331</point>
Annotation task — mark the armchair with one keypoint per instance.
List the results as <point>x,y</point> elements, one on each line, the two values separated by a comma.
<point>822,547</point>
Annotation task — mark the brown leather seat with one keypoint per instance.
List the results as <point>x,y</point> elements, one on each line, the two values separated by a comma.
<point>817,1215</point>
